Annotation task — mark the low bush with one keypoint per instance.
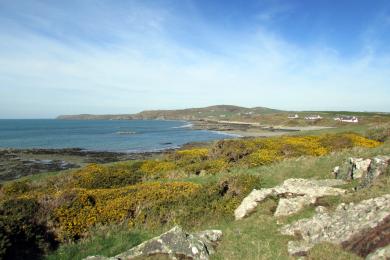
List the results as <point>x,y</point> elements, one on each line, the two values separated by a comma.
<point>192,155</point>
<point>262,157</point>
<point>81,208</point>
<point>22,233</point>
<point>150,205</point>
<point>263,151</point>
<point>379,133</point>
<point>96,176</point>
<point>233,150</point>
<point>154,169</point>
<point>16,187</point>
<point>208,167</point>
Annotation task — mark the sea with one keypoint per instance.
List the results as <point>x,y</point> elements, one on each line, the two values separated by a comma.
<point>101,135</point>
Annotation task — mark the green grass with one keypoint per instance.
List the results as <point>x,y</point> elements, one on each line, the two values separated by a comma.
<point>325,250</point>
<point>255,237</point>
<point>106,241</point>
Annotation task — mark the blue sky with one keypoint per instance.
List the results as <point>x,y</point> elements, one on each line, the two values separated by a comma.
<point>113,56</point>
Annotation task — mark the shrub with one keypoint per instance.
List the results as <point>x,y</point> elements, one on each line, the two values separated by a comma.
<point>299,146</point>
<point>212,167</point>
<point>22,236</point>
<point>16,187</point>
<point>232,150</point>
<point>262,151</point>
<point>192,155</point>
<point>213,201</point>
<point>359,140</point>
<point>262,157</point>
<point>82,208</point>
<point>154,169</point>
<point>149,205</point>
<point>335,142</point>
<point>379,133</point>
<point>96,176</point>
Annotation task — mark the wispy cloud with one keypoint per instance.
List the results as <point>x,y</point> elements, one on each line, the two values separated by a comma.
<point>96,57</point>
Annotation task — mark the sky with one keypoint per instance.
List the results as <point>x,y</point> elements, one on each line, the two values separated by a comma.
<point>117,56</point>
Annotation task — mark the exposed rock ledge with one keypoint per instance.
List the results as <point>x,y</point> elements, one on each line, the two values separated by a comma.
<point>361,228</point>
<point>295,193</point>
<point>366,170</point>
<point>380,254</point>
<point>174,244</point>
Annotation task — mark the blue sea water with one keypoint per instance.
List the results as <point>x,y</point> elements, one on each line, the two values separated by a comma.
<point>100,135</point>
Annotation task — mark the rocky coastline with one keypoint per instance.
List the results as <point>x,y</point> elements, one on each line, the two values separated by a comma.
<point>17,163</point>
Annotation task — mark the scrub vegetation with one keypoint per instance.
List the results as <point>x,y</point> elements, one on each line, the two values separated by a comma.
<point>107,208</point>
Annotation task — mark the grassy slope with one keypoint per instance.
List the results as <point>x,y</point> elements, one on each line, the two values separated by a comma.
<point>256,237</point>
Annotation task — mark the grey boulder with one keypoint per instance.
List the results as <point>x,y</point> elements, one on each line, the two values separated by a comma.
<point>174,244</point>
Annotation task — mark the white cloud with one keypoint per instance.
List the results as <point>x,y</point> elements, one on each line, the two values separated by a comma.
<point>146,68</point>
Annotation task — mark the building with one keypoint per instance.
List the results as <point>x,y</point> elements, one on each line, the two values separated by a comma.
<point>293,116</point>
<point>313,117</point>
<point>347,119</point>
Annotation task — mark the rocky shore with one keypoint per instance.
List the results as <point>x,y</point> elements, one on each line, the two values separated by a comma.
<point>17,163</point>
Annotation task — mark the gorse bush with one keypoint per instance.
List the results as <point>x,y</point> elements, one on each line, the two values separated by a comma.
<point>149,204</point>
<point>80,209</point>
<point>22,235</point>
<point>262,157</point>
<point>192,155</point>
<point>221,156</point>
<point>96,176</point>
<point>154,169</point>
<point>263,151</point>
<point>16,187</point>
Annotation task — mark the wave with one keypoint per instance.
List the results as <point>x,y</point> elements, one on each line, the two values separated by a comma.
<point>189,125</point>
<point>126,133</point>
<point>227,134</point>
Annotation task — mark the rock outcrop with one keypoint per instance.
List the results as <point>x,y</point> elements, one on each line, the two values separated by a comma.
<point>365,170</point>
<point>360,228</point>
<point>360,167</point>
<point>17,163</point>
<point>174,244</point>
<point>380,254</point>
<point>295,194</point>
<point>288,206</point>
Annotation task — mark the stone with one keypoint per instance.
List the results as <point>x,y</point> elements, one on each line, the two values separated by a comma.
<point>249,203</point>
<point>360,228</point>
<point>378,166</point>
<point>312,189</point>
<point>174,244</point>
<point>360,167</point>
<point>366,170</point>
<point>288,206</point>
<point>380,254</point>
<point>336,172</point>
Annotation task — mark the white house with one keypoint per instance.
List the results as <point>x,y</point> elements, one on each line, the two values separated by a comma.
<point>313,117</point>
<point>293,116</point>
<point>347,119</point>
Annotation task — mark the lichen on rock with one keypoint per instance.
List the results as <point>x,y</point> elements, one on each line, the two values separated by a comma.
<point>295,194</point>
<point>174,244</point>
<point>360,228</point>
